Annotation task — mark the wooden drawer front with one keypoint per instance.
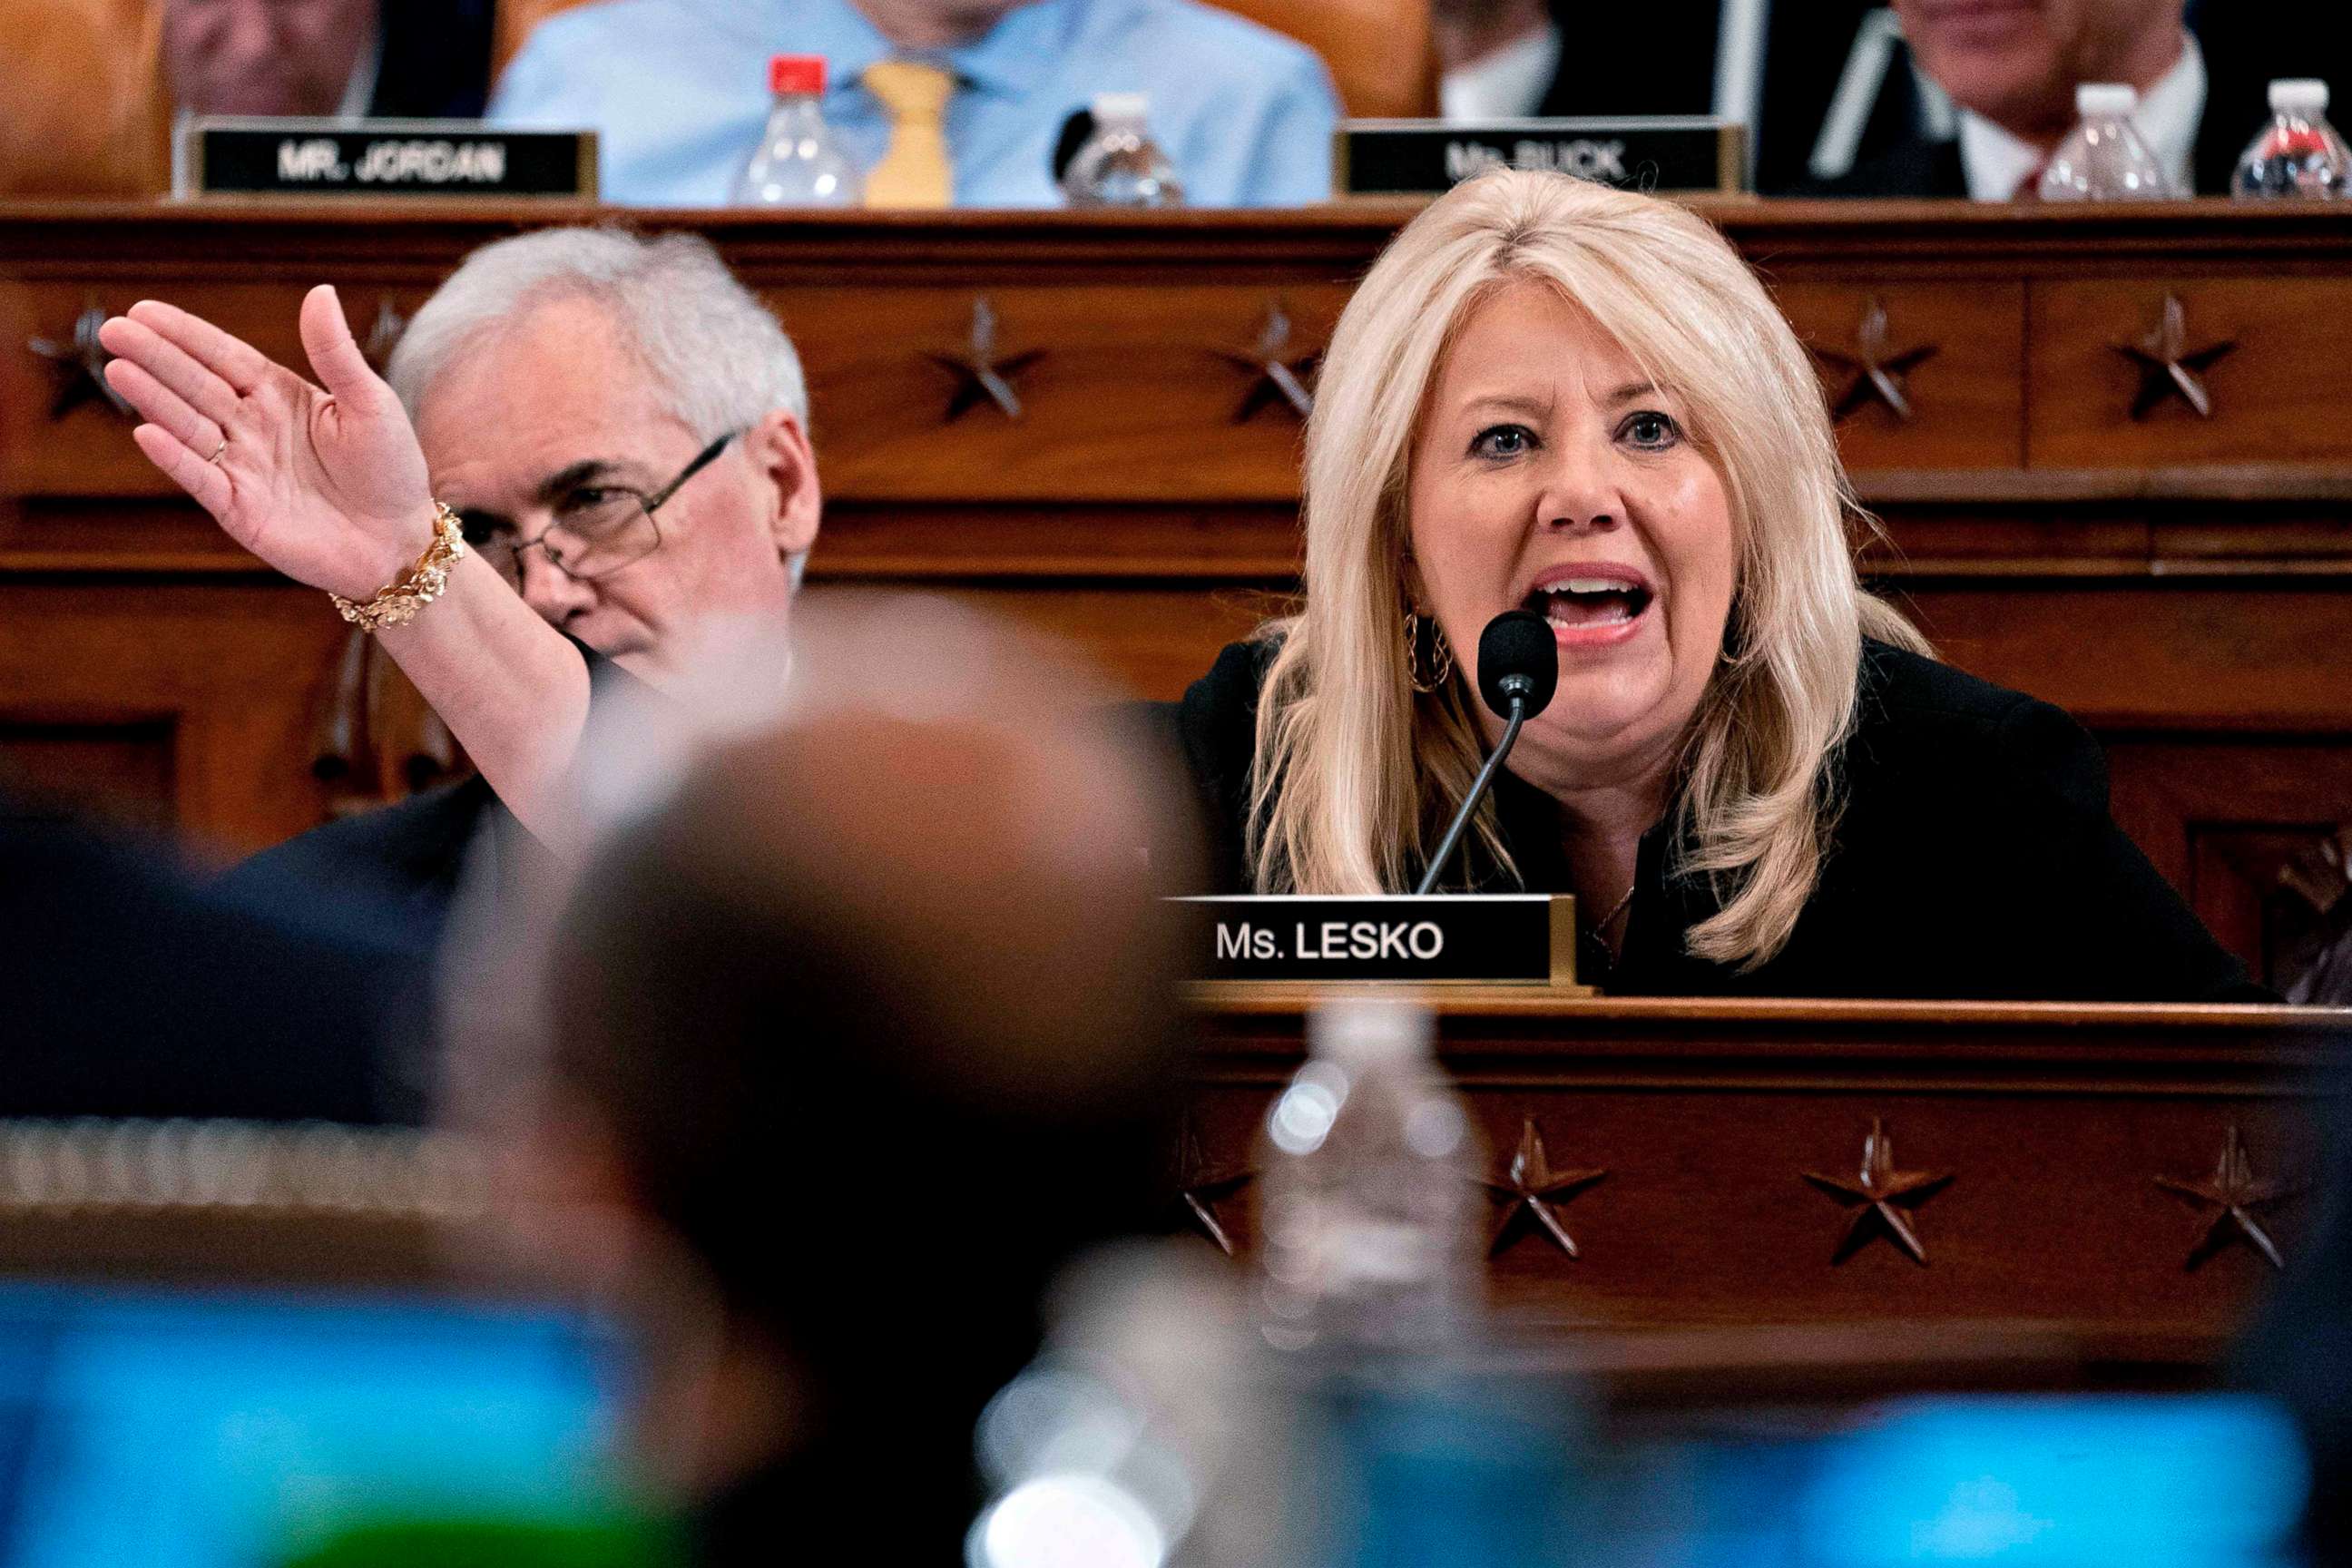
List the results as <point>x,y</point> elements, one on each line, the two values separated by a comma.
<point>1951,353</point>
<point>2280,392</point>
<point>1126,393</point>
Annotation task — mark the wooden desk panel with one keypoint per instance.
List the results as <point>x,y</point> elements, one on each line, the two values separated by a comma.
<point>2054,1124</point>
<point>1127,394</point>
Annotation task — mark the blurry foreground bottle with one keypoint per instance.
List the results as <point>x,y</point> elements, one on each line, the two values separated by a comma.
<point>1366,1218</point>
<point>2298,157</point>
<point>797,162</point>
<point>1120,166</point>
<point>2102,159</point>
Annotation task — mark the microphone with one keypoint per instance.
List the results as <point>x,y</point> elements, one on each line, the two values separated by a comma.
<point>1076,132</point>
<point>1518,670</point>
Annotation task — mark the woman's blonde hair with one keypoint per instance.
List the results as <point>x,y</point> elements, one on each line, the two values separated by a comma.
<point>1354,774</point>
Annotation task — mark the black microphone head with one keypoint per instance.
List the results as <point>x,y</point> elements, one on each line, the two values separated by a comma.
<point>1076,132</point>
<point>1516,657</point>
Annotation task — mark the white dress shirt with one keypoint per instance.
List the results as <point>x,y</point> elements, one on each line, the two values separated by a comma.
<point>1508,84</point>
<point>2167,119</point>
<point>359,92</point>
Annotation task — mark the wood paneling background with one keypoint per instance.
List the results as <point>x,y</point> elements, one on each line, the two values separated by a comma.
<point>2178,580</point>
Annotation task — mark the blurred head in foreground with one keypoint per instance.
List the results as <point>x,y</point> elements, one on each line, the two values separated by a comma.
<point>868,1028</point>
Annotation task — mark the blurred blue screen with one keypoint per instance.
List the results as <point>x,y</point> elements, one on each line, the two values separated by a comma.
<point>188,1428</point>
<point>2050,1481</point>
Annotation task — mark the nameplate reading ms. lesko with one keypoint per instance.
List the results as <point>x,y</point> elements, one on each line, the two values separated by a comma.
<point>1646,153</point>
<point>1528,939</point>
<point>219,156</point>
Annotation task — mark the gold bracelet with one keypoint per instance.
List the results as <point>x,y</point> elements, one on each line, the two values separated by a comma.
<point>399,603</point>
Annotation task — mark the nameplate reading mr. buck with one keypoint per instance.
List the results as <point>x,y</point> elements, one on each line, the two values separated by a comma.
<point>1510,939</point>
<point>215,157</point>
<point>1652,152</point>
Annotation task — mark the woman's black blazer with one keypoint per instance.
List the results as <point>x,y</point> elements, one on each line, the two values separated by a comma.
<point>1974,857</point>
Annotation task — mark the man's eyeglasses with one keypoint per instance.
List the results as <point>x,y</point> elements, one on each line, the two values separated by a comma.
<point>598,528</point>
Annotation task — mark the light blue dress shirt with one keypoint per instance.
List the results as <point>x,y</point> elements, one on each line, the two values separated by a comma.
<point>679,92</point>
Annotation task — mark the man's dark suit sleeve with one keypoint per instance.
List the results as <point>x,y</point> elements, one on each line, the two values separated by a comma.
<point>130,992</point>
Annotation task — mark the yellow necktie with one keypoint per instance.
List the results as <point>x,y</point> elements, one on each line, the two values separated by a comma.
<point>914,171</point>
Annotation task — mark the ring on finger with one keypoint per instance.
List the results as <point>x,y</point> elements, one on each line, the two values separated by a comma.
<point>219,449</point>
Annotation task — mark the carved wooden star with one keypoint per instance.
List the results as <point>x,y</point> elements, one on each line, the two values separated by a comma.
<point>1277,377</point>
<point>1874,372</point>
<point>2166,371</point>
<point>1201,1186</point>
<point>78,361</point>
<point>1885,1194</point>
<point>1529,1185</point>
<point>980,375</point>
<point>2236,1199</point>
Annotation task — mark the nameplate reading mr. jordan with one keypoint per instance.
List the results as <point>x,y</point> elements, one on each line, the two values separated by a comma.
<point>381,157</point>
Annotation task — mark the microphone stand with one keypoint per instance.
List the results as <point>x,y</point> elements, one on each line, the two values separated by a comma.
<point>1477,789</point>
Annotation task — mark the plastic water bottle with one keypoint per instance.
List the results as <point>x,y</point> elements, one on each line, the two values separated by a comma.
<point>2102,159</point>
<point>797,162</point>
<point>2298,155</point>
<point>1120,166</point>
<point>1366,1211</point>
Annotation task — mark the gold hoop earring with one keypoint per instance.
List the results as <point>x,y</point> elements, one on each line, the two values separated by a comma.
<point>1441,653</point>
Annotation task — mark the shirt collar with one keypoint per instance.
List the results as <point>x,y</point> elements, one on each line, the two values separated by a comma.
<point>2167,119</point>
<point>1506,85</point>
<point>359,92</point>
<point>1017,54</point>
<point>1010,59</point>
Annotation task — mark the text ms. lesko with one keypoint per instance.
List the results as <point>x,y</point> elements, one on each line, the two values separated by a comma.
<point>1351,940</point>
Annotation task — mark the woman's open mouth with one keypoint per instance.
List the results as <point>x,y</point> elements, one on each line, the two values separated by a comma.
<point>1590,609</point>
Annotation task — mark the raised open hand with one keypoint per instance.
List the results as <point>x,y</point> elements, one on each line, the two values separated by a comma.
<point>328,487</point>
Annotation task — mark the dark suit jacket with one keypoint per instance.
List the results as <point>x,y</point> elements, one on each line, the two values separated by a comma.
<point>1658,57</point>
<point>1975,856</point>
<point>132,991</point>
<point>404,861</point>
<point>2242,52</point>
<point>437,60</point>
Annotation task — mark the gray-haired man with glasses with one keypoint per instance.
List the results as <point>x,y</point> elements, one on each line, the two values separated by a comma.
<point>616,428</point>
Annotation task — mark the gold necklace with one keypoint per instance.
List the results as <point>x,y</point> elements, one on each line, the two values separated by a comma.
<point>1597,931</point>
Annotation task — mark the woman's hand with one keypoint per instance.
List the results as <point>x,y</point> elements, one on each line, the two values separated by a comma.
<point>328,487</point>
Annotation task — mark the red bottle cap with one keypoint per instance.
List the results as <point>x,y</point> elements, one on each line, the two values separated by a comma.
<point>796,74</point>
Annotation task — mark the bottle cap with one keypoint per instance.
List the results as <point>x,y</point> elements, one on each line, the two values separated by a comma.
<point>2105,100</point>
<point>1121,107</point>
<point>2299,95</point>
<point>801,76</point>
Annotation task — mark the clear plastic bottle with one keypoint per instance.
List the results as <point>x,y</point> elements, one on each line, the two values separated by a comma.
<point>2298,157</point>
<point>1120,166</point>
<point>1366,1197</point>
<point>797,162</point>
<point>2102,159</point>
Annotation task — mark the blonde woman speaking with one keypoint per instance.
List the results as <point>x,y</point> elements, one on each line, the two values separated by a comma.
<point>1755,778</point>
